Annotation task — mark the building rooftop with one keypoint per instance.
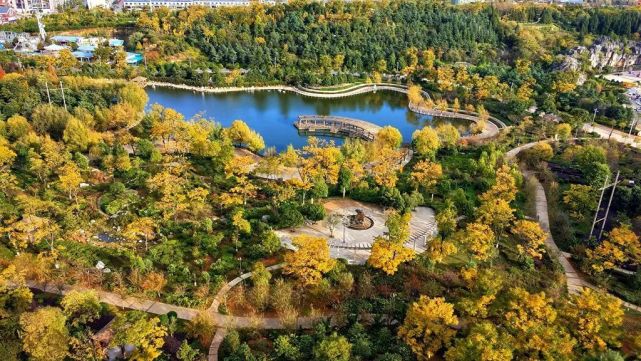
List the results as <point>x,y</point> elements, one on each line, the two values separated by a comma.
<point>86,48</point>
<point>133,58</point>
<point>54,47</point>
<point>82,54</point>
<point>65,39</point>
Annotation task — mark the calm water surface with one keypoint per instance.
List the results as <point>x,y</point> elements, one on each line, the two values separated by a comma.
<point>272,113</point>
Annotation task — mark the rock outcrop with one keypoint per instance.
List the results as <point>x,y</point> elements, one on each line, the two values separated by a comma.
<point>604,52</point>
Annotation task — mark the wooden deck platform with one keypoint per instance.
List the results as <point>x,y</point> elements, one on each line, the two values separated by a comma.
<point>338,126</point>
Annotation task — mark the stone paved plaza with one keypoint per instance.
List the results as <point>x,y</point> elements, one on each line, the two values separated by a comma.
<point>354,245</point>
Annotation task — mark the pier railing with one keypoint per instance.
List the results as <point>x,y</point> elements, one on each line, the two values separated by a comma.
<point>335,125</point>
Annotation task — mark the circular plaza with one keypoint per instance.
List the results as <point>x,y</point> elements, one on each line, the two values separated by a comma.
<point>350,228</point>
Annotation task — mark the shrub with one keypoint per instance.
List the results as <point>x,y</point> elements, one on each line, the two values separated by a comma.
<point>288,215</point>
<point>313,212</point>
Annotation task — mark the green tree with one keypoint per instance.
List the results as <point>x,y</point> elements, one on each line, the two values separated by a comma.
<point>580,200</point>
<point>333,348</point>
<point>187,353</point>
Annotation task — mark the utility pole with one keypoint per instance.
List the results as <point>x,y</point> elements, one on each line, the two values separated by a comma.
<point>611,131</point>
<point>48,95</point>
<point>633,123</point>
<point>607,210</point>
<point>598,208</point>
<point>603,220</point>
<point>62,90</point>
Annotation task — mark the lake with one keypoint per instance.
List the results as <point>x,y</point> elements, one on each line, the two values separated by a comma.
<point>273,113</point>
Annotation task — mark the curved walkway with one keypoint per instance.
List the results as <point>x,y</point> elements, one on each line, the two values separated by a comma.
<point>575,282</point>
<point>222,322</point>
<point>492,127</point>
<point>314,93</point>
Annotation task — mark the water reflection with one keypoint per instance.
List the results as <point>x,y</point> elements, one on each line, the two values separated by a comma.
<point>273,113</point>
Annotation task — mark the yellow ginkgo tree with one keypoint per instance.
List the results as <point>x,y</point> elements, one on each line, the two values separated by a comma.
<point>621,246</point>
<point>531,238</point>
<point>429,326</point>
<point>389,252</point>
<point>310,260</point>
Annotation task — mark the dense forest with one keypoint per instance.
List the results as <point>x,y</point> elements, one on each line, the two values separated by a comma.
<point>600,21</point>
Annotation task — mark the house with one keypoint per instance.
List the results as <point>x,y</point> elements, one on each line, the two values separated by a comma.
<point>116,42</point>
<point>92,4</point>
<point>54,48</point>
<point>7,14</point>
<point>82,55</point>
<point>463,2</point>
<point>134,58</point>
<point>42,6</point>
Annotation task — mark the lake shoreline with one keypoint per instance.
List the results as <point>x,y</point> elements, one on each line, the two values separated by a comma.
<point>490,129</point>
<point>215,90</point>
<point>311,92</point>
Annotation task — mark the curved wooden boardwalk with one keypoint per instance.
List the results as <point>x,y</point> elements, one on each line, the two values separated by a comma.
<point>355,90</point>
<point>309,92</point>
<point>335,125</point>
<point>459,114</point>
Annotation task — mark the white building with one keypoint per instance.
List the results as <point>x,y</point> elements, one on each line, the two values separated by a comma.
<point>45,6</point>
<point>91,4</point>
<point>181,4</point>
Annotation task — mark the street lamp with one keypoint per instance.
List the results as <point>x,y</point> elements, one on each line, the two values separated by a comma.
<point>345,220</point>
<point>596,110</point>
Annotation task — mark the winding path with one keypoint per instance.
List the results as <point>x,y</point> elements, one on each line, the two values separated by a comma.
<point>222,322</point>
<point>575,281</point>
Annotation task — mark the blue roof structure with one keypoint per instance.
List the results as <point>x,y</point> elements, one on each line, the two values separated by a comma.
<point>133,58</point>
<point>116,42</point>
<point>4,10</point>
<point>87,48</point>
<point>82,54</point>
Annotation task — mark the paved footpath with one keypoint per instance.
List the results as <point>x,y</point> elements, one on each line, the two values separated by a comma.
<point>575,281</point>
<point>615,135</point>
<point>222,322</point>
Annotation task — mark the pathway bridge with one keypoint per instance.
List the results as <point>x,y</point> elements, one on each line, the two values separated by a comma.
<point>456,113</point>
<point>335,125</point>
